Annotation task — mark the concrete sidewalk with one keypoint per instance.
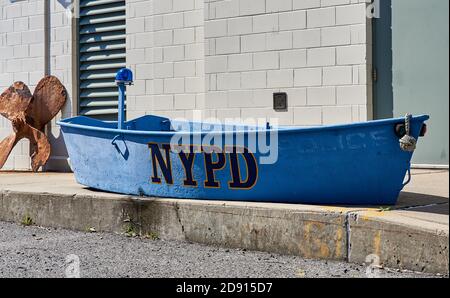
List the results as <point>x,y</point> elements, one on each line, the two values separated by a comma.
<point>412,235</point>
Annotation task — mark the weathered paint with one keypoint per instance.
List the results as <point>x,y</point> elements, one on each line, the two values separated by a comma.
<point>338,244</point>
<point>373,214</point>
<point>377,243</point>
<point>356,164</point>
<point>29,114</point>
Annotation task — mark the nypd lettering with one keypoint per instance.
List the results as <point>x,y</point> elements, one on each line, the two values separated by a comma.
<point>241,164</point>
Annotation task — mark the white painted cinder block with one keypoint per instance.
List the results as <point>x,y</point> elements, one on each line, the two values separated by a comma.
<point>254,80</point>
<point>307,77</point>
<point>280,78</point>
<point>321,96</point>
<point>296,97</point>
<point>347,95</point>
<point>306,4</point>
<point>337,115</point>
<point>224,9</point>
<point>251,7</point>
<point>322,17</point>
<point>195,84</point>
<point>355,54</point>
<point>240,62</point>
<point>183,5</point>
<point>216,64</point>
<point>308,116</point>
<point>163,38</point>
<point>253,43</point>
<point>173,53</point>
<point>321,57</point>
<point>162,102</point>
<point>278,5</point>
<point>228,45</point>
<point>185,69</point>
<point>265,23</point>
<point>292,20</point>
<point>293,59</point>
<point>351,14</point>
<point>216,100</point>
<point>338,75</point>
<point>279,41</point>
<point>239,26</point>
<point>240,99</point>
<point>216,28</point>
<point>335,36</point>
<point>174,85</point>
<point>194,51</point>
<point>266,60</point>
<point>184,101</point>
<point>161,70</point>
<point>184,36</point>
<point>228,81</point>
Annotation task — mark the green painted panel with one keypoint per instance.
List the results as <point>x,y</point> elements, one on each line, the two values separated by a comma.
<point>420,32</point>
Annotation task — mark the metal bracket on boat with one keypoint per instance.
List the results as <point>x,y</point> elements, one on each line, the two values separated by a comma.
<point>409,177</point>
<point>123,77</point>
<point>114,143</point>
<point>407,142</point>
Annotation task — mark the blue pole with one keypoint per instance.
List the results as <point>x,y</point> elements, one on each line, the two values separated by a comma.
<point>123,77</point>
<point>121,120</point>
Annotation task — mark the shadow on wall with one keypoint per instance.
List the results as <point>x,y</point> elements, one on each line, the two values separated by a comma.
<point>59,159</point>
<point>65,3</point>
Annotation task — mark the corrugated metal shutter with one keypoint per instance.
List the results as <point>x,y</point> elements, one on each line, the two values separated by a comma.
<point>102,44</point>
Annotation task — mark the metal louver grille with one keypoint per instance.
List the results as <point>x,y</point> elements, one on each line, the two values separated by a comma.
<point>102,43</point>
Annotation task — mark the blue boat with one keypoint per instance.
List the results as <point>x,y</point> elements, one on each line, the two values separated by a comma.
<point>354,164</point>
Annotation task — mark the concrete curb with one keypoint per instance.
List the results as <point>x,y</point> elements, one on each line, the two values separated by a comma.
<point>345,234</point>
<point>399,240</point>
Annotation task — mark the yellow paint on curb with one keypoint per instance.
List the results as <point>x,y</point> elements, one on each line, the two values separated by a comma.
<point>319,248</point>
<point>377,243</point>
<point>373,214</point>
<point>324,250</point>
<point>337,209</point>
<point>339,235</point>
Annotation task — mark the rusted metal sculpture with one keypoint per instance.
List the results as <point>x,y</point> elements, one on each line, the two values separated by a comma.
<point>29,114</point>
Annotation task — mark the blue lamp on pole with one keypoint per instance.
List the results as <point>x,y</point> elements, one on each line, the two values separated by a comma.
<point>123,77</point>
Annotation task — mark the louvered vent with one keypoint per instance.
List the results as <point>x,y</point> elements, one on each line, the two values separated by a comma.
<point>102,54</point>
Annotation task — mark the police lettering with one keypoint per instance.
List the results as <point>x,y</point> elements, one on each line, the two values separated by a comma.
<point>242,165</point>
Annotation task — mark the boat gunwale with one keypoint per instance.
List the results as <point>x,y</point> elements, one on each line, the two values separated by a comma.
<point>280,130</point>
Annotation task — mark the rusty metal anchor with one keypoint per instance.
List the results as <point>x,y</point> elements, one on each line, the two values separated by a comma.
<point>29,114</point>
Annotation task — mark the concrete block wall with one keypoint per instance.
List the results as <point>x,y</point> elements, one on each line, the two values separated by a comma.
<point>230,63</point>
<point>315,50</point>
<point>165,49</point>
<point>22,59</point>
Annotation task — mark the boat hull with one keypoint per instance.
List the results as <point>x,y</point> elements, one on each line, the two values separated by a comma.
<point>355,164</point>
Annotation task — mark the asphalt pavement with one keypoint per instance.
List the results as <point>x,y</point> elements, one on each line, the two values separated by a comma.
<point>31,251</point>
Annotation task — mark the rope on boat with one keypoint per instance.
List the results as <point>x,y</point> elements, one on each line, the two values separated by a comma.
<point>407,142</point>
